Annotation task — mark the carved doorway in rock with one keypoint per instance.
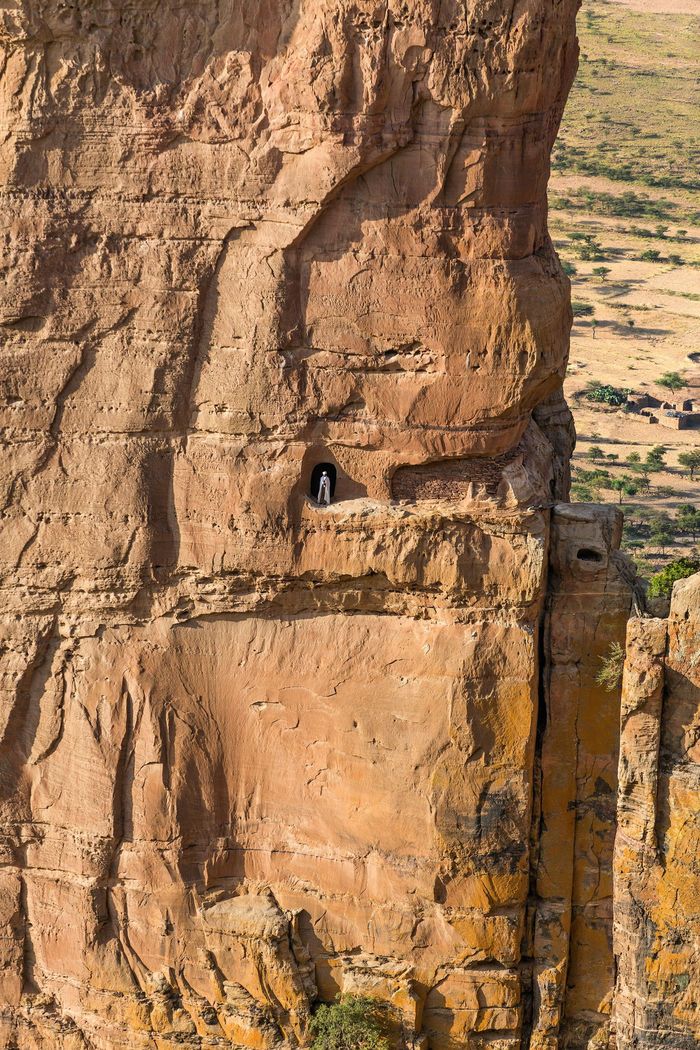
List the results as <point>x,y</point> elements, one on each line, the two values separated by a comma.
<point>316,479</point>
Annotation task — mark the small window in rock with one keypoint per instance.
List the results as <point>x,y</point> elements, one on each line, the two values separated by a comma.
<point>316,478</point>
<point>586,554</point>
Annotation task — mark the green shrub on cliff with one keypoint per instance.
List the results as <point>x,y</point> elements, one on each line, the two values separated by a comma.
<point>610,673</point>
<point>353,1023</point>
<point>661,583</point>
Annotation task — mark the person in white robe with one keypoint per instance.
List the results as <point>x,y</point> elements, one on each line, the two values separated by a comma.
<point>324,489</point>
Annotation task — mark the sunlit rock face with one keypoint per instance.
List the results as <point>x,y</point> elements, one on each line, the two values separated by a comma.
<point>256,751</point>
<point>657,921</point>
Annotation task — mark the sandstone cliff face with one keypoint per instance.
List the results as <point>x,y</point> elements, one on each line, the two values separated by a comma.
<point>254,751</point>
<point>588,604</point>
<point>657,906</point>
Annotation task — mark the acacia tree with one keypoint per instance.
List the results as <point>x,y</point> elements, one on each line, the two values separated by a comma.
<point>624,486</point>
<point>655,458</point>
<point>691,460</point>
<point>661,535</point>
<point>673,381</point>
<point>688,520</point>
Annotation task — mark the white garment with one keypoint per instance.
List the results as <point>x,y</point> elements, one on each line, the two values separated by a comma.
<point>324,489</point>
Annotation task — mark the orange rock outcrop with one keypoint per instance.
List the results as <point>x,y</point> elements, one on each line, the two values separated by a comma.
<point>256,751</point>
<point>657,903</point>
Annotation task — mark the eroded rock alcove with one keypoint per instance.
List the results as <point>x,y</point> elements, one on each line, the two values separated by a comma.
<point>256,752</point>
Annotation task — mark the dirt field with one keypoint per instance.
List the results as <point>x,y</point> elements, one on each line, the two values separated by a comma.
<point>625,219</point>
<point>663,7</point>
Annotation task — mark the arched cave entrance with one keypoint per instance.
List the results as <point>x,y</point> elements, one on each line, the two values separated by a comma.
<point>316,479</point>
<point>588,554</point>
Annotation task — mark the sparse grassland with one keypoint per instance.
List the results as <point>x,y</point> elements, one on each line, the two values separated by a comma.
<point>632,116</point>
<point>625,219</point>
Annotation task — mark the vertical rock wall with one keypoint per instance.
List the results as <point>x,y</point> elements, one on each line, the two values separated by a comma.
<point>657,876</point>
<point>255,752</point>
<point>588,604</point>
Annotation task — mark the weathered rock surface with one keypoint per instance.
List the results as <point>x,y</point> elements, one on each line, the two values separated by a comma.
<point>657,865</point>
<point>588,604</point>
<point>255,752</point>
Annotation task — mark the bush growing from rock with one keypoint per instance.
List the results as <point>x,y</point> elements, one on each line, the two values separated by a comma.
<point>352,1023</point>
<point>662,582</point>
<point>610,673</point>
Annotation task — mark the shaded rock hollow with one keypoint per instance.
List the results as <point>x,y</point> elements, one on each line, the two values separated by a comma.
<point>256,752</point>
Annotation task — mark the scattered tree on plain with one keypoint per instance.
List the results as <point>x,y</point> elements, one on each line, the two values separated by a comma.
<point>661,536</point>
<point>624,486</point>
<point>691,460</point>
<point>673,381</point>
<point>581,308</point>
<point>688,520</point>
<point>605,393</point>
<point>655,458</point>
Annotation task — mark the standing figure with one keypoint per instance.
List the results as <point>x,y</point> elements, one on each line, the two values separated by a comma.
<point>324,489</point>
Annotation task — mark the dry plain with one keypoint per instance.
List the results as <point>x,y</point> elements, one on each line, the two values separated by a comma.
<point>625,220</point>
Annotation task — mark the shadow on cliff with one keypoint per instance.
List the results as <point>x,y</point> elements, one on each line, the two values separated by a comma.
<point>679,734</point>
<point>23,721</point>
<point>163,526</point>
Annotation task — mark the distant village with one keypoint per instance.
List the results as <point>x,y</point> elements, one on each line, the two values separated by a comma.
<point>679,415</point>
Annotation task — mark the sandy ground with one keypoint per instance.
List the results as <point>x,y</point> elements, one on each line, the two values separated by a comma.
<point>662,7</point>
<point>663,302</point>
<point>646,313</point>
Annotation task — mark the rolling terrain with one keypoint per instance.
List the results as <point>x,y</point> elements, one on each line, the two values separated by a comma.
<point>625,220</point>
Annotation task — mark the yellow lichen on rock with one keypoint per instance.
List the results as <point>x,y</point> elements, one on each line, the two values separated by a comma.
<point>657,921</point>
